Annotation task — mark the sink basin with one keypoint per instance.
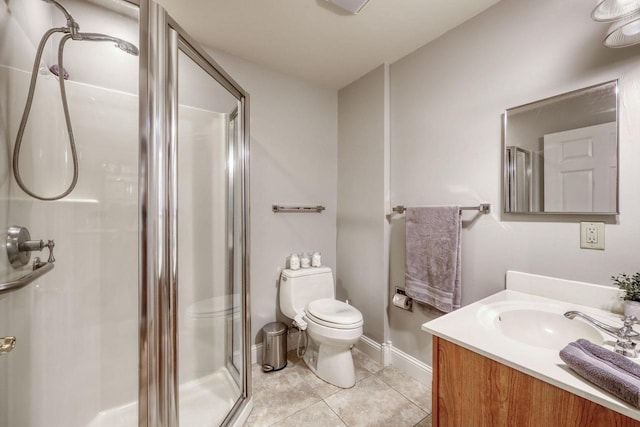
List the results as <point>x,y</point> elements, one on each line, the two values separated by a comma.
<point>545,329</point>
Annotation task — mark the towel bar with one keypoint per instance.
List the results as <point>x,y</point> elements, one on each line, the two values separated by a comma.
<point>297,209</point>
<point>485,208</point>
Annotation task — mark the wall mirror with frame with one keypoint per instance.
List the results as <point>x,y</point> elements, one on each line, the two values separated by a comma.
<point>560,154</point>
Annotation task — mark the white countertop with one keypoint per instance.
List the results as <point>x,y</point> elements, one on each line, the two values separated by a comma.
<point>476,327</point>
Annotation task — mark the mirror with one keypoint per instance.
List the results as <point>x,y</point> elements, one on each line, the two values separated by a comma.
<point>561,154</point>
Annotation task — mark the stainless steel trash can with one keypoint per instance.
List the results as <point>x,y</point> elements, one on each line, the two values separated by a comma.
<point>274,346</point>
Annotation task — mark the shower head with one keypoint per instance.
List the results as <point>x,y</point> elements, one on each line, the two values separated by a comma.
<point>130,48</point>
<point>124,45</point>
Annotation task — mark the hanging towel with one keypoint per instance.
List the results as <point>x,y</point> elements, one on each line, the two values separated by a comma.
<point>608,370</point>
<point>433,266</point>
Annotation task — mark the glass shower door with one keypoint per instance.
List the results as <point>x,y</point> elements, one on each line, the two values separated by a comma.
<point>194,292</point>
<point>209,308</point>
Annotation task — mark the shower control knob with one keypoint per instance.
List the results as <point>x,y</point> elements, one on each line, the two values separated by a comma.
<point>19,246</point>
<point>50,244</point>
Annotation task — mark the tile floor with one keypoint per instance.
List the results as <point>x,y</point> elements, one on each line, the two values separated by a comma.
<point>296,397</point>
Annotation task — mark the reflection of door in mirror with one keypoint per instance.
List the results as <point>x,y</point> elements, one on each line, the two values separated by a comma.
<point>518,179</point>
<point>580,169</point>
<point>577,171</point>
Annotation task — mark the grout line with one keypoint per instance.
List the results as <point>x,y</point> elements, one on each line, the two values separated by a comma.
<point>423,420</point>
<point>323,399</point>
<point>404,395</point>
<point>337,415</point>
<point>297,412</point>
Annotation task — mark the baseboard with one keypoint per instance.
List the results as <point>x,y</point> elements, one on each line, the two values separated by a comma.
<point>386,354</point>
<point>411,366</point>
<point>370,348</point>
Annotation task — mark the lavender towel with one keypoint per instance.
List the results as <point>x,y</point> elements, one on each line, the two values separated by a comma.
<point>608,370</point>
<point>433,266</point>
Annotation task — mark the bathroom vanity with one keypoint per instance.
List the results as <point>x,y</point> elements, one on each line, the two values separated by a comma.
<point>496,362</point>
<point>468,386</point>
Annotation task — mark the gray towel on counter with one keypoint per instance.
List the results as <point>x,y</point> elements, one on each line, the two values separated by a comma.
<point>611,371</point>
<point>433,264</point>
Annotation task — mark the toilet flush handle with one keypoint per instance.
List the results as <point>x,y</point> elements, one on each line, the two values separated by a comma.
<point>300,322</point>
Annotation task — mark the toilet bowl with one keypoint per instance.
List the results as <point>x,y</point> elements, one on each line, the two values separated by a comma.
<point>333,326</point>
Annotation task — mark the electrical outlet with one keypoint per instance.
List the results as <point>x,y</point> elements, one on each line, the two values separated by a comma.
<point>592,235</point>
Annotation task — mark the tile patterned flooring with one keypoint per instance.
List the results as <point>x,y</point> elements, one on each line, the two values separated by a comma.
<point>296,397</point>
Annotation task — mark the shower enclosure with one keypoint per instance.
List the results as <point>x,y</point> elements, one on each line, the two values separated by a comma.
<point>144,321</point>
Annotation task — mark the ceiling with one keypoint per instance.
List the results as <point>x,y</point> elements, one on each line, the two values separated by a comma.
<point>316,41</point>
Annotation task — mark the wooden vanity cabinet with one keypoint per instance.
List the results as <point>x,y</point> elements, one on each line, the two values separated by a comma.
<point>472,390</point>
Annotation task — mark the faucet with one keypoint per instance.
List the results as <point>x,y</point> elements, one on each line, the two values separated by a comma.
<point>624,344</point>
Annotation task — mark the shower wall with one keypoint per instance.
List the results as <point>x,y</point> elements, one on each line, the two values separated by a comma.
<point>16,42</point>
<point>77,326</point>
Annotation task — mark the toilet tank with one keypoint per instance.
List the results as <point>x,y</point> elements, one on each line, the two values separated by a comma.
<point>300,287</point>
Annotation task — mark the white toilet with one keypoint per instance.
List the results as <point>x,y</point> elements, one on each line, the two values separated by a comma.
<point>308,297</point>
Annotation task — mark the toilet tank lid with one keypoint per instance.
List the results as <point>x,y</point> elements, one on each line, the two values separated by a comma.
<point>305,271</point>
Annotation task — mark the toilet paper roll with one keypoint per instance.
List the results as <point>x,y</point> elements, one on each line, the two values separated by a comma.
<point>402,301</point>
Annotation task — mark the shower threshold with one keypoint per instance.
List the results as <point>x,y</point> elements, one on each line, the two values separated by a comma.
<point>204,401</point>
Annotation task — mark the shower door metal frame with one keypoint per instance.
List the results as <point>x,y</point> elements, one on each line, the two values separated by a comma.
<point>160,39</point>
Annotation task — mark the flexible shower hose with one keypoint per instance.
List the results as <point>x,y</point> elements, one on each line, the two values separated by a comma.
<point>27,109</point>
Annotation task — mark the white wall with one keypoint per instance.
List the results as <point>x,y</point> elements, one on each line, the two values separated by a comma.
<point>293,161</point>
<point>362,232</point>
<point>447,99</point>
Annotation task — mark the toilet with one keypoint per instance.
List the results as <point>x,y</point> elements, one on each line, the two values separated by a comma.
<point>308,297</point>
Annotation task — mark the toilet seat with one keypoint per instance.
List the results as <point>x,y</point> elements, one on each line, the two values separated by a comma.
<point>334,314</point>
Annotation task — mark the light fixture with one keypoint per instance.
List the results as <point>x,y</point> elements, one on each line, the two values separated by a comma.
<point>353,6</point>
<point>612,10</point>
<point>624,16</point>
<point>623,33</point>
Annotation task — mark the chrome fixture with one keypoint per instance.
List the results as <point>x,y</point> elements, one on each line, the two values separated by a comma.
<point>625,18</point>
<point>7,344</point>
<point>297,209</point>
<point>485,208</point>
<point>19,247</point>
<point>401,300</point>
<point>22,281</point>
<point>71,31</point>
<point>624,344</point>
